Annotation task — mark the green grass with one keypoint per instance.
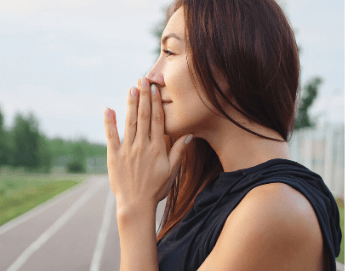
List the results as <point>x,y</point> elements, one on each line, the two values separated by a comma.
<point>20,191</point>
<point>340,203</point>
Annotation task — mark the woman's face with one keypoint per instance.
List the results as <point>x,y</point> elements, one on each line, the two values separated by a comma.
<point>187,112</point>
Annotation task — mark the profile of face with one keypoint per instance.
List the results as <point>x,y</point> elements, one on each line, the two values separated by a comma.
<point>190,114</point>
<point>187,114</point>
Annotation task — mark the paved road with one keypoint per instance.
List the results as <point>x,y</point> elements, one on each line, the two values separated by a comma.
<point>74,231</point>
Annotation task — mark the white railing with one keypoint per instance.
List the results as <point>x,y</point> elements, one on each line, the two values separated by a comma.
<point>322,151</point>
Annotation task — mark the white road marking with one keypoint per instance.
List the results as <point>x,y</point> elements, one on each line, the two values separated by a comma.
<point>37,210</point>
<point>102,235</point>
<point>44,237</point>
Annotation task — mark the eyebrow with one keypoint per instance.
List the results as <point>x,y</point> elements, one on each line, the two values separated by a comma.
<point>171,35</point>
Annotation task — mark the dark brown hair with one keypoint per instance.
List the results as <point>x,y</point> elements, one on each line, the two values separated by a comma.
<point>252,46</point>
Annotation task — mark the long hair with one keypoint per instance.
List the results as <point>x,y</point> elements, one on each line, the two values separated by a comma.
<point>252,46</point>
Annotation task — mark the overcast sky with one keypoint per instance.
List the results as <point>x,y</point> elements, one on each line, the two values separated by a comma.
<point>66,60</point>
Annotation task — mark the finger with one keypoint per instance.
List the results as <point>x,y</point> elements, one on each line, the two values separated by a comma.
<point>131,116</point>
<point>111,133</point>
<point>144,111</point>
<point>157,119</point>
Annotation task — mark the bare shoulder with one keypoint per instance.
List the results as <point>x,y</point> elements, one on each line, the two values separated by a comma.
<point>286,202</point>
<point>273,228</point>
<point>296,202</point>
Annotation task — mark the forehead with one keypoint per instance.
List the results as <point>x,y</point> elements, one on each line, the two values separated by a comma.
<point>175,23</point>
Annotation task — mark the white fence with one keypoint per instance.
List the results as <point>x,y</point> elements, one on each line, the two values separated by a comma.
<point>322,151</point>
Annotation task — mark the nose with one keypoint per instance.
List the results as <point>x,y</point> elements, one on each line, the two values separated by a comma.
<point>155,75</point>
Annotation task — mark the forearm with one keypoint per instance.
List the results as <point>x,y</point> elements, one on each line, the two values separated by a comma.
<point>137,231</point>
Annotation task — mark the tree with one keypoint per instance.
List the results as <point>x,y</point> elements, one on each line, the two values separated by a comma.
<point>26,140</point>
<point>45,154</point>
<point>303,119</point>
<point>31,149</point>
<point>78,164</point>
<point>5,149</point>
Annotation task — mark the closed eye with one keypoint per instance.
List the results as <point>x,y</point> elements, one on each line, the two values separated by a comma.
<point>168,52</point>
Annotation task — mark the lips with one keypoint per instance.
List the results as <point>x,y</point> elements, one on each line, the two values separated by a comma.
<point>165,104</point>
<point>166,101</point>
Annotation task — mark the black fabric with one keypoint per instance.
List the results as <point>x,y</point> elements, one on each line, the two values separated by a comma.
<point>189,244</point>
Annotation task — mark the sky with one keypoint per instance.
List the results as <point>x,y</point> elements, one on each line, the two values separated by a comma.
<point>66,60</point>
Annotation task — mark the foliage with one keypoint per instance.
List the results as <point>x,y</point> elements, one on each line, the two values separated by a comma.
<point>5,149</point>
<point>25,147</point>
<point>78,164</point>
<point>26,141</point>
<point>60,147</point>
<point>64,155</point>
<point>76,167</point>
<point>311,90</point>
<point>45,155</point>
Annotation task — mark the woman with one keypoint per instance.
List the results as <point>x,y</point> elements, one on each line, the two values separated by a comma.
<point>229,75</point>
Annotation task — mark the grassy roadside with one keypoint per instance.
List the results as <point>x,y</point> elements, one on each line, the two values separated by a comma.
<point>340,203</point>
<point>20,192</point>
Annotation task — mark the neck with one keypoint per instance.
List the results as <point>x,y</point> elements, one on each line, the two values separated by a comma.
<point>239,149</point>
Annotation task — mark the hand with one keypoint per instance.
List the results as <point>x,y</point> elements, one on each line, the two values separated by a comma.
<point>140,170</point>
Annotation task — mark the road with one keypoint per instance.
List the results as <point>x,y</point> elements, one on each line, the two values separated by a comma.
<point>76,230</point>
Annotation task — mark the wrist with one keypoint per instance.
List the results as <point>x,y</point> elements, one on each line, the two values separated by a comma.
<point>137,232</point>
<point>127,212</point>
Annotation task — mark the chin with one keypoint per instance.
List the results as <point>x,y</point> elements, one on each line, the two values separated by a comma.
<point>175,133</point>
<point>170,132</point>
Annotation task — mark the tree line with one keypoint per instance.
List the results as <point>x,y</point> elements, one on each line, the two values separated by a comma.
<point>24,146</point>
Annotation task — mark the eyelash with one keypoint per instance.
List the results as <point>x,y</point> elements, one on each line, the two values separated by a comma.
<point>168,52</point>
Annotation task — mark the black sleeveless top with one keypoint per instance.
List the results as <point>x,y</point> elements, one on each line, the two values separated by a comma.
<point>188,245</point>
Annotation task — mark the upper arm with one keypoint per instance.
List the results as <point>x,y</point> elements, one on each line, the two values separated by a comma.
<point>269,230</point>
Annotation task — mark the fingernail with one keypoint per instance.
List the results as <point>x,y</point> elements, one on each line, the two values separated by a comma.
<point>153,89</point>
<point>108,113</point>
<point>188,139</point>
<point>144,83</point>
<point>134,92</point>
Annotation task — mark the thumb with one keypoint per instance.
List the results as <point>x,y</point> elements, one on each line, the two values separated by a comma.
<point>177,151</point>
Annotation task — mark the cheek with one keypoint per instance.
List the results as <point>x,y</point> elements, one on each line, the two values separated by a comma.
<point>187,115</point>
<point>177,74</point>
